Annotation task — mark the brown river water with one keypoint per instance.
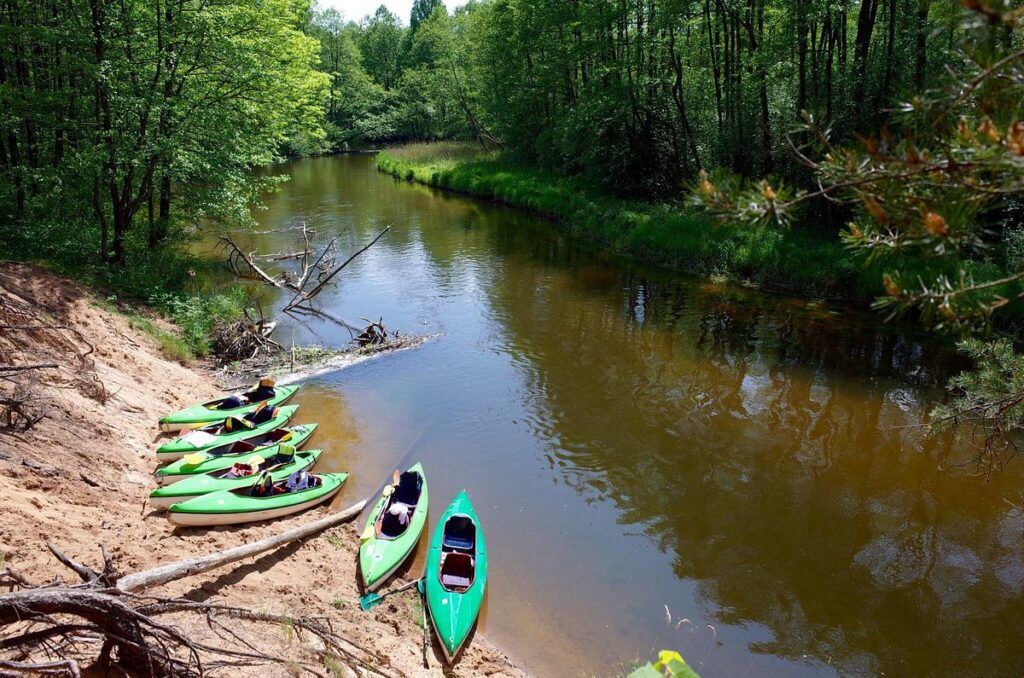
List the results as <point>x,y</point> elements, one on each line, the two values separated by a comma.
<point>641,444</point>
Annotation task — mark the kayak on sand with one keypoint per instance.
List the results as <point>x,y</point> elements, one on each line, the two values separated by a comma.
<point>456,574</point>
<point>198,463</point>
<point>235,405</point>
<point>263,500</point>
<point>219,437</point>
<point>393,527</point>
<point>239,475</point>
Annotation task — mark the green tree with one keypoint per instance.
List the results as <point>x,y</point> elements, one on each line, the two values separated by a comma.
<point>135,105</point>
<point>380,42</point>
<point>421,11</point>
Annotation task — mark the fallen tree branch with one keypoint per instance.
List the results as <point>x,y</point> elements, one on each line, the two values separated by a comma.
<point>24,368</point>
<point>237,253</point>
<point>183,568</point>
<point>302,296</point>
<point>86,573</point>
<point>64,667</point>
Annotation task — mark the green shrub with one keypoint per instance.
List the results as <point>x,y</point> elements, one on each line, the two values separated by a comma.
<point>797,260</point>
<point>198,315</point>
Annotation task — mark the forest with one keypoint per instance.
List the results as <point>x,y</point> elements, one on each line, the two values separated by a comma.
<point>844,149</point>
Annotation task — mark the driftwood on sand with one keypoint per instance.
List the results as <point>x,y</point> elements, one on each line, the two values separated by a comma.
<point>54,627</point>
<point>183,568</point>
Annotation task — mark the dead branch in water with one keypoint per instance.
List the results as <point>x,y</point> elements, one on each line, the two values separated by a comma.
<point>302,296</point>
<point>247,338</point>
<point>51,623</point>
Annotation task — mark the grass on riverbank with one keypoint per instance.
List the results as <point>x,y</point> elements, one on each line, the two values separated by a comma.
<point>792,260</point>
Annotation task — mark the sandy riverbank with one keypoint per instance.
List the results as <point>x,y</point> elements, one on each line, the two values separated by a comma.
<point>80,478</point>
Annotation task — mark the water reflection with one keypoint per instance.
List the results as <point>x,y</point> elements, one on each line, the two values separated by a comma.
<point>638,440</point>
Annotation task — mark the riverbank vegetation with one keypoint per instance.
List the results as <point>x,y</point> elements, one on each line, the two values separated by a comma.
<point>795,260</point>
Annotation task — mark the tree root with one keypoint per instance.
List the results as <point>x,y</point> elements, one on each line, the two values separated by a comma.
<point>51,627</point>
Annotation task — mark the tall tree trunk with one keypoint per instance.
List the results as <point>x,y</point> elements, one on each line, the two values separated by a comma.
<point>801,39</point>
<point>713,52</point>
<point>861,46</point>
<point>921,47</point>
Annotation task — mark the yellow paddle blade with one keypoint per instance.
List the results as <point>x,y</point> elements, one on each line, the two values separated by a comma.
<point>195,458</point>
<point>255,460</point>
<point>369,533</point>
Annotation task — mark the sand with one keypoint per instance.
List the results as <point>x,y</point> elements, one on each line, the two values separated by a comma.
<point>80,478</point>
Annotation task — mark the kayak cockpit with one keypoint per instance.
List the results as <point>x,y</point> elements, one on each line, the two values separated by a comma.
<point>396,516</point>
<point>265,486</point>
<point>256,465</point>
<point>458,554</point>
<point>264,390</point>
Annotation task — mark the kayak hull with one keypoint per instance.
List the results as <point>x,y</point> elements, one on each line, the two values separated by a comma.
<point>379,557</point>
<point>180,470</point>
<point>201,414</point>
<point>454,614</point>
<point>179,447</point>
<point>196,486</point>
<point>228,508</point>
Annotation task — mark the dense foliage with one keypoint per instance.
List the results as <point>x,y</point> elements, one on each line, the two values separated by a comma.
<point>122,120</point>
<point>641,94</point>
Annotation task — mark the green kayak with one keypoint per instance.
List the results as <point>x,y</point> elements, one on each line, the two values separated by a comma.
<point>279,466</point>
<point>218,438</point>
<point>235,405</point>
<point>198,463</point>
<point>228,507</point>
<point>386,542</point>
<point>456,574</point>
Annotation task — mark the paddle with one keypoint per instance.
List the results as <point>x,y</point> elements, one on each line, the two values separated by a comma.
<point>421,586</point>
<point>372,600</point>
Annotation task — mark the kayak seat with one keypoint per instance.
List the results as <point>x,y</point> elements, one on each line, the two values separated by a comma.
<point>456,571</point>
<point>410,485</point>
<point>261,393</point>
<point>231,402</point>
<point>390,526</point>
<point>261,416</point>
<point>459,534</point>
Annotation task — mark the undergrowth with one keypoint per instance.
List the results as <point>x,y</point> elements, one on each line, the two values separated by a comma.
<point>798,260</point>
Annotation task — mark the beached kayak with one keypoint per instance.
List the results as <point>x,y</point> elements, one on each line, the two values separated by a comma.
<point>218,438</point>
<point>240,506</point>
<point>387,541</point>
<point>198,463</point>
<point>456,574</point>
<point>241,475</point>
<point>235,405</point>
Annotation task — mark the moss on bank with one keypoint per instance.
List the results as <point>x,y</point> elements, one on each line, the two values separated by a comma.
<point>795,260</point>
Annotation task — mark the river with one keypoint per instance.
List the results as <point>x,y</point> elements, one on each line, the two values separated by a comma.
<point>643,445</point>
